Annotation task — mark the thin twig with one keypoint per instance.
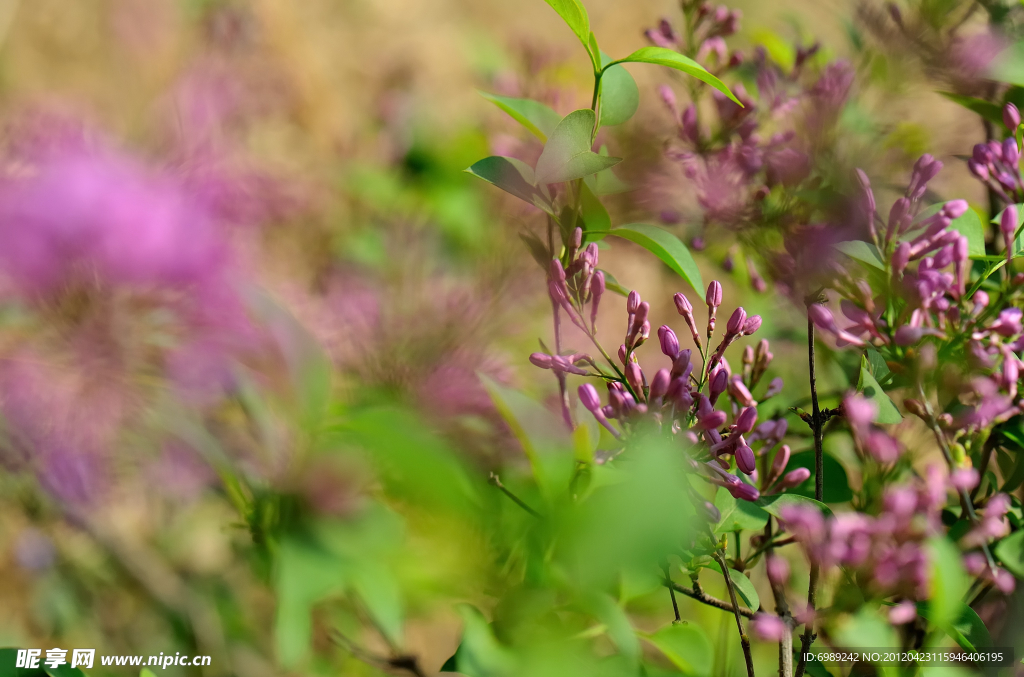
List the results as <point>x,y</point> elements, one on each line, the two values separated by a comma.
<point>744,640</point>
<point>401,662</point>
<point>496,481</point>
<point>782,609</point>
<point>697,593</point>
<point>819,488</point>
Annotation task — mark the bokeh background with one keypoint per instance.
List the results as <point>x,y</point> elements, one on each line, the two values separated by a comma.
<point>244,218</point>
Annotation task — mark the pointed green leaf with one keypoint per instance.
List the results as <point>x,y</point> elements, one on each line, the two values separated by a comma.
<point>837,482</point>
<point>773,505</point>
<point>868,386</point>
<point>864,252</point>
<point>1010,552</point>
<point>947,583</point>
<point>612,285</point>
<point>737,515</point>
<point>606,182</point>
<point>595,216</point>
<point>667,57</point>
<point>535,116</point>
<point>986,109</point>
<point>969,225</point>
<point>666,247</point>
<point>567,154</point>
<point>574,14</point>
<point>744,588</point>
<point>686,646</point>
<point>619,94</point>
<point>513,176</point>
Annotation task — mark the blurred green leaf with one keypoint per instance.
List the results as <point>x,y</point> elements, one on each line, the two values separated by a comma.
<point>986,109</point>
<point>480,654</point>
<point>619,94</point>
<point>605,182</point>
<point>744,588</point>
<point>614,617</point>
<point>774,505</point>
<point>1010,552</point>
<point>513,176</point>
<point>879,369</point>
<point>534,115</point>
<point>686,646</point>
<point>837,482</point>
<point>666,247</point>
<point>864,252</point>
<point>779,49</point>
<point>868,386</point>
<point>667,57</point>
<point>613,285</point>
<point>947,583</point>
<point>306,573</point>
<point>966,627</point>
<point>737,515</point>
<point>595,216</point>
<point>567,154</point>
<point>9,659</point>
<point>1009,65</point>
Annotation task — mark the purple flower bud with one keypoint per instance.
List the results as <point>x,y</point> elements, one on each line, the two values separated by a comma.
<point>711,513</point>
<point>954,209</point>
<point>740,393</point>
<point>718,385</point>
<point>589,398</point>
<point>1011,155</point>
<point>669,98</point>
<point>1011,117</point>
<point>556,270</point>
<point>622,355</point>
<point>898,217</point>
<point>822,317</point>
<point>979,170</point>
<point>778,570</point>
<point>659,384</point>
<point>780,461</point>
<point>541,360</point>
<point>795,478</point>
<point>752,324</point>
<point>632,301</point>
<point>900,258</point>
<point>902,613</point>
<point>711,421</point>
<point>669,341</point>
<point>964,479</point>
<point>689,119</point>
<point>714,296</point>
<point>746,419</point>
<point>859,411</point>
<point>745,459</point>
<point>774,387</point>
<point>682,304</point>
<point>769,627</point>
<point>635,377</point>
<point>908,336</point>
<point>882,448</point>
<point>736,321</point>
<point>1005,581</point>
<point>597,287</point>
<point>743,491</point>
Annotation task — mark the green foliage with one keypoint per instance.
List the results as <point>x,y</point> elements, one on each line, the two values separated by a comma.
<point>535,116</point>
<point>575,16</point>
<point>868,386</point>
<point>864,252</point>
<point>836,488</point>
<point>666,247</point>
<point>619,94</point>
<point>737,515</point>
<point>1010,552</point>
<point>512,176</point>
<point>744,588</point>
<point>667,57</point>
<point>687,646</point>
<point>567,154</point>
<point>774,505</point>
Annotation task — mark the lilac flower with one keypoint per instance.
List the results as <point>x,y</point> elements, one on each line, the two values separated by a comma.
<point>769,627</point>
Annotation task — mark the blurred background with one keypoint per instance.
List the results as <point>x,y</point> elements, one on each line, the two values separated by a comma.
<point>227,225</point>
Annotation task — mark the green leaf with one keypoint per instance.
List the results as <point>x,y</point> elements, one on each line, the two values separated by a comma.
<point>879,369</point>
<point>513,176</point>
<point>969,225</point>
<point>620,629</point>
<point>744,588</point>
<point>480,653</point>
<point>595,216</point>
<point>837,483</point>
<point>966,628</point>
<point>887,411</point>
<point>947,582</point>
<point>538,250</point>
<point>612,285</point>
<point>606,182</point>
<point>1009,66</point>
<point>574,14</point>
<point>619,94</point>
<point>567,154</point>
<point>737,515</point>
<point>686,646</point>
<point>1010,552</point>
<point>986,109</point>
<point>535,116</point>
<point>306,574</point>
<point>9,658</point>
<point>666,247</point>
<point>774,505</point>
<point>667,57</point>
<point>864,252</point>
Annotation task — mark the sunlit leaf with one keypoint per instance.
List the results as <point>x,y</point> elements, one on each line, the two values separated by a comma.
<point>667,57</point>
<point>513,176</point>
<point>595,216</point>
<point>574,14</point>
<point>666,247</point>
<point>619,94</point>
<point>1010,552</point>
<point>868,386</point>
<point>744,588</point>
<point>613,285</point>
<point>969,225</point>
<point>567,154</point>
<point>737,515</point>
<point>837,483</point>
<point>774,505</point>
<point>686,646</point>
<point>864,252</point>
<point>534,115</point>
<point>986,109</point>
<point>947,583</point>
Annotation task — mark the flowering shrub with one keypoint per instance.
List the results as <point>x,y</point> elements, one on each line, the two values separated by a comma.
<point>289,414</point>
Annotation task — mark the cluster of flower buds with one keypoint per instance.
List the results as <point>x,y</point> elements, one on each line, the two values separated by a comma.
<point>696,402</point>
<point>870,441</point>
<point>997,164</point>
<point>577,284</point>
<point>708,27</point>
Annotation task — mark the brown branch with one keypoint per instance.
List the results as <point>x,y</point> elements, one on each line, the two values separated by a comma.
<point>744,640</point>
<point>697,593</point>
